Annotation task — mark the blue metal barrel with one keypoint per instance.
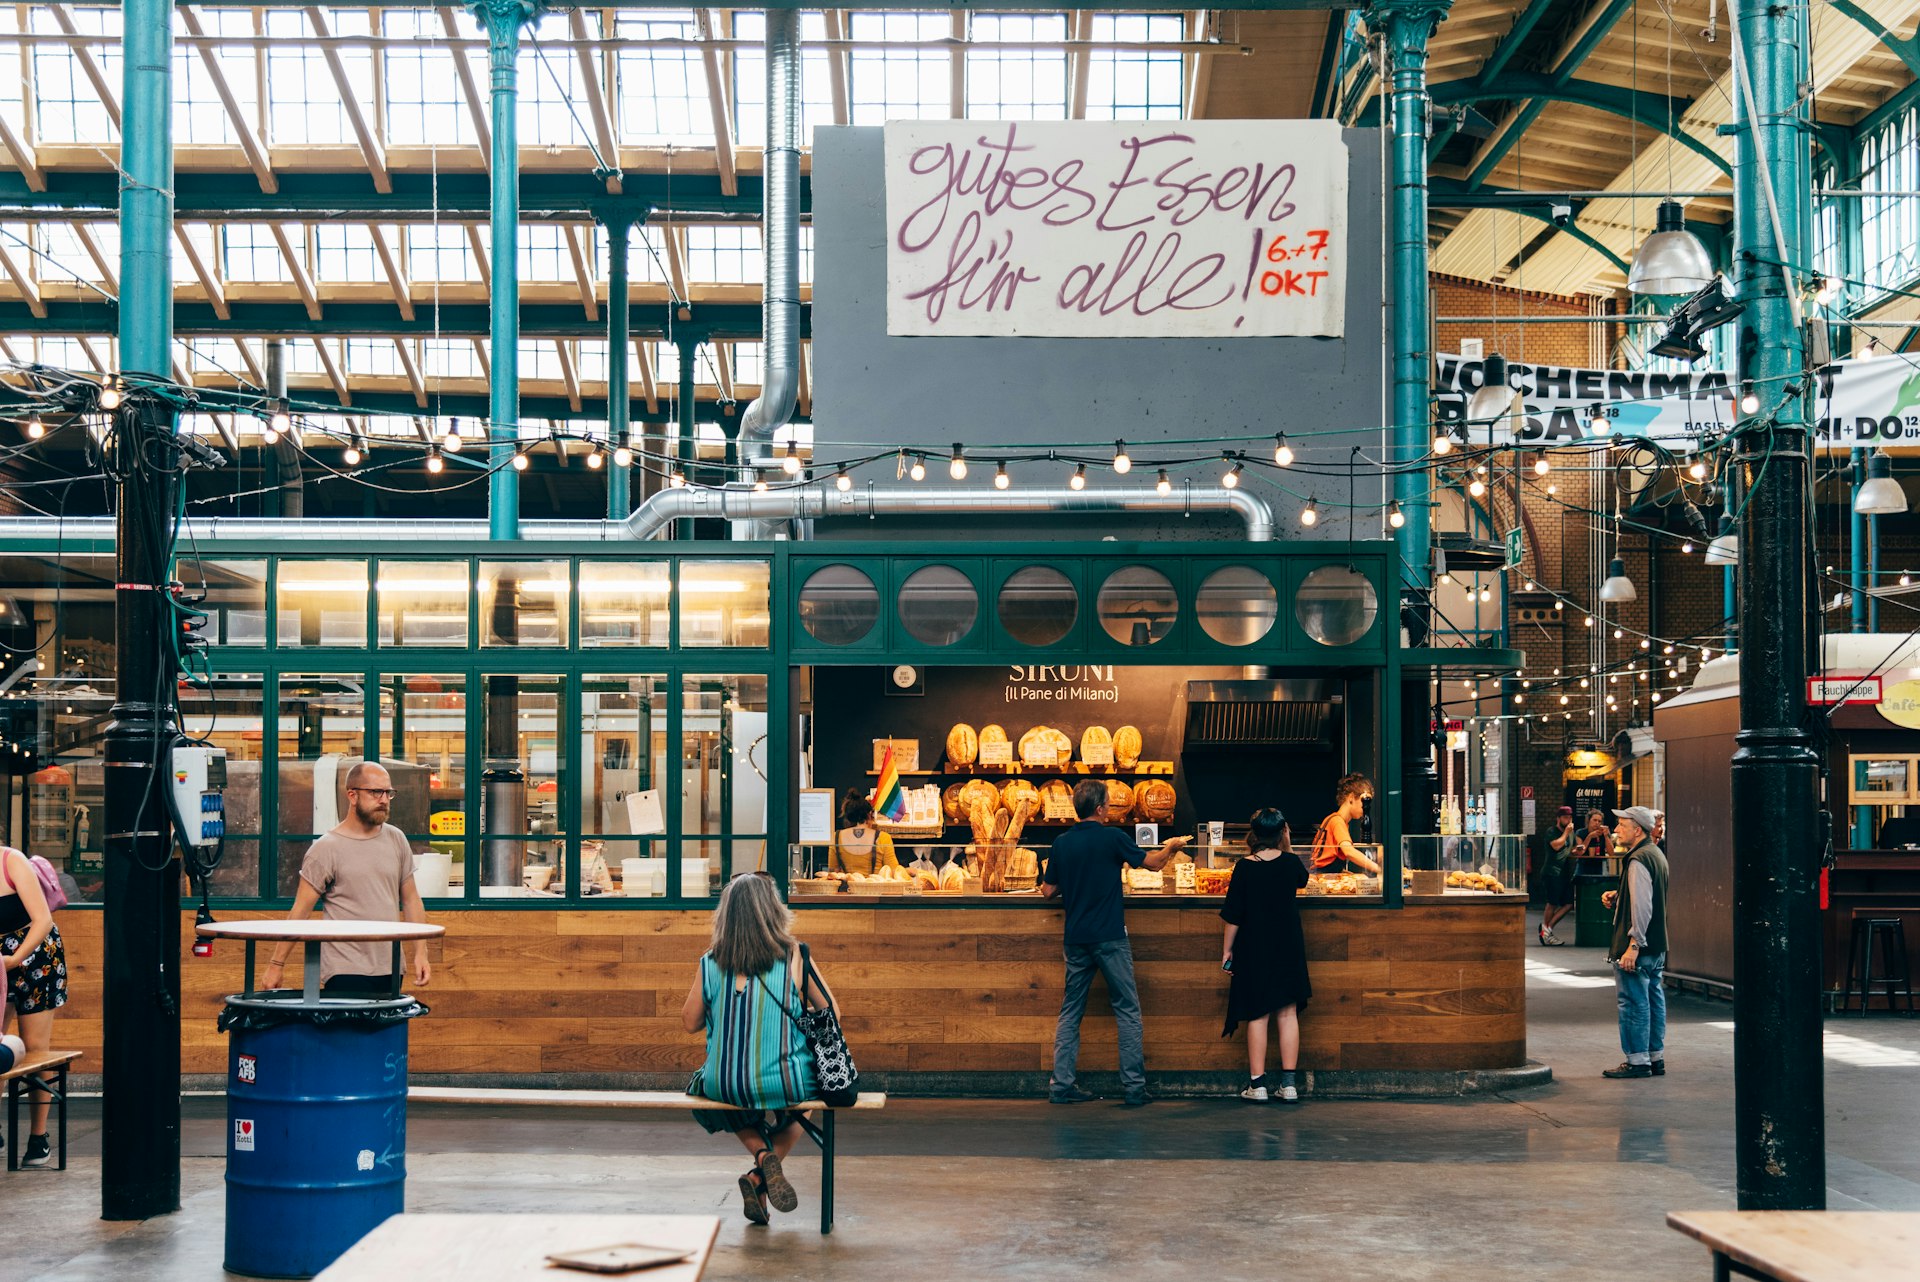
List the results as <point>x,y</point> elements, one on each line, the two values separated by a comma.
<point>316,1138</point>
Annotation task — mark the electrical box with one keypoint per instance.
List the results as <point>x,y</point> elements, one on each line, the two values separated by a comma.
<point>199,782</point>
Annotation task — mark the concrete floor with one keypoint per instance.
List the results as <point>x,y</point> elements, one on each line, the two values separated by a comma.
<point>1570,1181</point>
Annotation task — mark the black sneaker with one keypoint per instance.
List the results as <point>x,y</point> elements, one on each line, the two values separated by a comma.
<point>1629,1070</point>
<point>1136,1101</point>
<point>1659,1068</point>
<point>1072,1095</point>
<point>39,1151</point>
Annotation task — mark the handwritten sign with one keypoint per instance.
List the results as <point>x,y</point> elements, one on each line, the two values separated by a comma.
<point>1057,804</point>
<point>996,754</point>
<point>1097,754</point>
<point>1123,229</point>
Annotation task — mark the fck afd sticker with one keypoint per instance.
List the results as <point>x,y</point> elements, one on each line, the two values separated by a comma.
<point>247,1069</point>
<point>243,1135</point>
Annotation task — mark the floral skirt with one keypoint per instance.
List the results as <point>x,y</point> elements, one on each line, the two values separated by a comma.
<point>40,984</point>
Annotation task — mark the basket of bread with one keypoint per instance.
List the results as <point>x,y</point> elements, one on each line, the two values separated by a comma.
<point>1475,881</point>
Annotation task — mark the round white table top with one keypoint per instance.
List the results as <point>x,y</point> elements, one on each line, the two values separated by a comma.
<point>331,932</point>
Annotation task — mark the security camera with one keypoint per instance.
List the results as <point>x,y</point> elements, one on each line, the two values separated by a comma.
<point>1562,213</point>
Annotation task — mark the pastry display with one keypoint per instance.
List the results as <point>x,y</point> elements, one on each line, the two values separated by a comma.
<point>963,745</point>
<point>1212,881</point>
<point>1126,747</point>
<point>1153,801</point>
<point>1014,789</point>
<point>1042,742</point>
<point>1119,802</point>
<point>1023,869</point>
<point>1092,739</point>
<point>1475,881</point>
<point>1338,883</point>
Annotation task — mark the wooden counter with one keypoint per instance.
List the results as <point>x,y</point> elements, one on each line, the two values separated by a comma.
<point>927,989</point>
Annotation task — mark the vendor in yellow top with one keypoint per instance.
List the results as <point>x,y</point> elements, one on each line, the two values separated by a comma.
<point>860,846</point>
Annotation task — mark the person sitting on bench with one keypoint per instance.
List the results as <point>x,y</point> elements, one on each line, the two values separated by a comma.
<point>746,996</point>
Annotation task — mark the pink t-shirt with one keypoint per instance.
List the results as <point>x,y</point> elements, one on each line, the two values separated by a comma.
<point>359,879</point>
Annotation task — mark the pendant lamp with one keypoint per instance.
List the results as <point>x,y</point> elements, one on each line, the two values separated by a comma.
<point>1618,586</point>
<point>1881,495</point>
<point>1725,548</point>
<point>1672,260</point>
<point>1493,399</point>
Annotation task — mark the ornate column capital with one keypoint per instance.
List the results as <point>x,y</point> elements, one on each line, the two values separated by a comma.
<point>1422,15</point>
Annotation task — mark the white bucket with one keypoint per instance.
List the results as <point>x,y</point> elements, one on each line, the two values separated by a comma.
<point>431,868</point>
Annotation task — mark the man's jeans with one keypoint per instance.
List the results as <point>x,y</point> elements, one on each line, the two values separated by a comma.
<point>1643,1008</point>
<point>1113,959</point>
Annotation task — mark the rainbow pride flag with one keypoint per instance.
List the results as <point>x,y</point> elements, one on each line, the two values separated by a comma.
<point>889,798</point>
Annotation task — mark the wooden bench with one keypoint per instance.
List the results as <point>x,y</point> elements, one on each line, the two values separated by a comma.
<point>24,1077</point>
<point>513,1248</point>
<point>821,1133</point>
<point>1806,1246</point>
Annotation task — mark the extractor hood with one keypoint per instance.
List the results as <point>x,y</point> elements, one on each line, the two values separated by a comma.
<point>1281,713</point>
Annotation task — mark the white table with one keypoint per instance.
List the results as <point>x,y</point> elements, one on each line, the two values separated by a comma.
<point>512,1248</point>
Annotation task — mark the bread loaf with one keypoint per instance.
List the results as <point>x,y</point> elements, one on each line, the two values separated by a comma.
<point>992,734</point>
<point>1126,747</point>
<point>1093,737</point>
<point>1153,801</point>
<point>950,803</point>
<point>1024,808</point>
<point>1014,789</point>
<point>1059,792</point>
<point>1119,802</point>
<point>975,793</point>
<point>953,877</point>
<point>963,745</point>
<point>1036,742</point>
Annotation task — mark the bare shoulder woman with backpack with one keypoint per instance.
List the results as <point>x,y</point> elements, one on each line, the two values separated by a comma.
<point>754,983</point>
<point>33,965</point>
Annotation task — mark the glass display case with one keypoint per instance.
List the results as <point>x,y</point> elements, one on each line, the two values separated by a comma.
<point>1464,864</point>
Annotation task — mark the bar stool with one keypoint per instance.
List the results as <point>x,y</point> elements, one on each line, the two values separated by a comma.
<point>1895,977</point>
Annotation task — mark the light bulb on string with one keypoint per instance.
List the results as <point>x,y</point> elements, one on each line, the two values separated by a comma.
<point>842,481</point>
<point>1563,700</point>
<point>918,470</point>
<point>596,459</point>
<point>1310,514</point>
<point>1749,399</point>
<point>1587,622</point>
<point>1282,452</point>
<point>957,466</point>
<point>35,428</point>
<point>1559,605</point>
<point>1395,517</point>
<point>1443,442</point>
<point>1698,470</point>
<point>1686,545</point>
<point>1645,644</point>
<point>678,480</point>
<point>1000,478</point>
<point>269,433</point>
<point>1655,696</point>
<point>1486,593</point>
<point>1231,479</point>
<point>623,455</point>
<point>351,456</point>
<point>1078,481</point>
<point>1541,466</point>
<point>520,460</point>
<point>1163,485</point>
<point>1552,488</point>
<point>790,460</point>
<point>1618,633</point>
<point>110,394</point>
<point>1476,487</point>
<point>434,462</point>
<point>1121,462</point>
<point>454,441</point>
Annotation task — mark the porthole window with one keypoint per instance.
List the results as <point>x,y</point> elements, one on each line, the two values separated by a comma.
<point>938,605</point>
<point>1037,605</point>
<point>1236,605</point>
<point>1137,605</point>
<point>839,605</point>
<point>1336,605</point>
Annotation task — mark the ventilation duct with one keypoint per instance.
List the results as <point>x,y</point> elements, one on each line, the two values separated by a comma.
<point>1290,714</point>
<point>780,320</point>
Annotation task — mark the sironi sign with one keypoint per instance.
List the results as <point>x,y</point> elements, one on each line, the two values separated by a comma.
<point>1128,229</point>
<point>1857,404</point>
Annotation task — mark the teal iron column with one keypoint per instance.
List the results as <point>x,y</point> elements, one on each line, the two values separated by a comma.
<point>619,395</point>
<point>140,1061</point>
<point>503,20</point>
<point>689,349</point>
<point>1779,1120</point>
<point>1406,26</point>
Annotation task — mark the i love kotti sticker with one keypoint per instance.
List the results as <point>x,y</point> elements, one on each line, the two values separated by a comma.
<point>243,1135</point>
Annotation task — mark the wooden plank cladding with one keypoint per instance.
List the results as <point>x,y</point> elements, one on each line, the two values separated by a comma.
<point>923,990</point>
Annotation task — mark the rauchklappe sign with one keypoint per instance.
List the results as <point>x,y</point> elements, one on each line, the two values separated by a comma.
<point>1859,403</point>
<point>1124,229</point>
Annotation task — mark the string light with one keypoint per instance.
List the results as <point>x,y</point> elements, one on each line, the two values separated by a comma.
<point>596,458</point>
<point>1558,605</point>
<point>623,455</point>
<point>1906,580</point>
<point>957,467</point>
<point>918,471</point>
<point>1686,545</point>
<point>1486,593</point>
<point>678,480</point>
<point>1618,633</point>
<point>35,428</point>
<point>1310,514</point>
<point>1000,478</point>
<point>790,461</point>
<point>520,460</point>
<point>1749,399</point>
<point>1395,517</point>
<point>110,394</point>
<point>1476,487</point>
<point>455,441</point>
<point>351,456</point>
<point>1232,477</point>
<point>1163,485</point>
<point>1541,467</point>
<point>1588,621</point>
<point>434,462</point>
<point>841,481</point>
<point>759,485</point>
<point>1122,463</point>
<point>1282,452</point>
<point>269,432</point>
<point>1698,471</point>
<point>1078,480</point>
<point>1442,442</point>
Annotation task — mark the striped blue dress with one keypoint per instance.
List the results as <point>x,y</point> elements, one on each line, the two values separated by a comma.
<point>756,1055</point>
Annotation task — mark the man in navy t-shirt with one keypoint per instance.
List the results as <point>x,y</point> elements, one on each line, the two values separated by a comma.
<point>1083,870</point>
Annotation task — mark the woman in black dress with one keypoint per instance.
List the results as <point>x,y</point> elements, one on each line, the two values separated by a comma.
<point>1266,953</point>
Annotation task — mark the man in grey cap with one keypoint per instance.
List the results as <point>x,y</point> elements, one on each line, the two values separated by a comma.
<point>1639,947</point>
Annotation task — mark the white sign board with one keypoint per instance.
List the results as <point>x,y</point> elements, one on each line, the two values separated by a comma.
<point>816,816</point>
<point>1116,229</point>
<point>1856,404</point>
<point>1844,690</point>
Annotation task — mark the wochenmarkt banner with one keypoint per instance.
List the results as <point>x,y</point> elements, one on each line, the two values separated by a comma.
<point>1858,403</point>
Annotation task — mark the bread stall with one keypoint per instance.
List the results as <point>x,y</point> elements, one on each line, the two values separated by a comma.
<point>594,737</point>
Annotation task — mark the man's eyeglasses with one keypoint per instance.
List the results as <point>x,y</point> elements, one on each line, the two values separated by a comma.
<point>375,792</point>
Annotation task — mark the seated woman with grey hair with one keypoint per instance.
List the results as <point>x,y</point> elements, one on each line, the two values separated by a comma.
<point>751,987</point>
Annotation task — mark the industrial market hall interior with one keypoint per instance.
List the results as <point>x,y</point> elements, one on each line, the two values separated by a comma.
<point>899,643</point>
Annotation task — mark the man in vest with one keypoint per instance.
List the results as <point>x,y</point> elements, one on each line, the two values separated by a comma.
<point>1639,947</point>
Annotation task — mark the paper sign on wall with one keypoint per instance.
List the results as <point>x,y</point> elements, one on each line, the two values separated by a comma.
<point>996,754</point>
<point>1057,804</point>
<point>1121,229</point>
<point>816,816</point>
<point>644,812</point>
<point>1097,754</point>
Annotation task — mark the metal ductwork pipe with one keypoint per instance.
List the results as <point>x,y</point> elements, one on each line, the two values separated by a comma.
<point>780,383</point>
<point>813,502</point>
<point>321,530</point>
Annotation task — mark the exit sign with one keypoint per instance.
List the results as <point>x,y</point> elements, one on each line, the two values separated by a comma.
<point>1843,689</point>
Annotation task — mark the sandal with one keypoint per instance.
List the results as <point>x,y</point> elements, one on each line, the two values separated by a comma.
<point>753,1202</point>
<point>779,1189</point>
